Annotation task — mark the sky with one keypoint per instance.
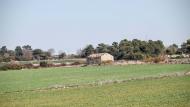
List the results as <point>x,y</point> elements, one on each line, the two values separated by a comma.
<point>69,25</point>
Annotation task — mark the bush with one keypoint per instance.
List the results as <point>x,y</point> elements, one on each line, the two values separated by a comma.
<point>15,66</point>
<point>63,64</point>
<point>134,56</point>
<point>148,59</point>
<point>158,59</point>
<point>76,63</point>
<point>43,64</point>
<point>107,62</point>
<point>154,59</point>
<point>29,65</point>
<point>11,67</point>
<point>4,68</point>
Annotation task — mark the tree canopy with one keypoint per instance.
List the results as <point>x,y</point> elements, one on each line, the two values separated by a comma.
<point>125,49</point>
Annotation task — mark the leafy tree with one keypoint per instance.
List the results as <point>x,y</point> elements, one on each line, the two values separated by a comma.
<point>125,47</point>
<point>6,55</point>
<point>172,49</point>
<point>134,56</point>
<point>114,50</point>
<point>89,49</point>
<point>155,47</point>
<point>45,55</point>
<point>18,53</point>
<point>135,45</point>
<point>159,48</point>
<point>27,47</point>
<point>102,48</point>
<point>185,47</point>
<point>11,54</point>
<point>62,55</point>
<point>3,50</point>
<point>144,48</point>
<point>37,53</point>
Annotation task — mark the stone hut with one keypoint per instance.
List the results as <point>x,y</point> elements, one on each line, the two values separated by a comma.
<point>100,58</point>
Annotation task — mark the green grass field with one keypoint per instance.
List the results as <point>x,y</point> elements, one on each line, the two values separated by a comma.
<point>163,92</point>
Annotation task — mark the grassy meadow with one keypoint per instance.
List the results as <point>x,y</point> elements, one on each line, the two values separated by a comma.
<point>162,92</point>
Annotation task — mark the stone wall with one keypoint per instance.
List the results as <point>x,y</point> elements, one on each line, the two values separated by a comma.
<point>179,61</point>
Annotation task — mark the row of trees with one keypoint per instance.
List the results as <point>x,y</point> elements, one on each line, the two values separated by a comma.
<point>174,49</point>
<point>136,49</point>
<point>125,49</point>
<point>26,53</point>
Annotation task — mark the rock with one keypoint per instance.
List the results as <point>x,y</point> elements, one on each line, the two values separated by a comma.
<point>187,73</point>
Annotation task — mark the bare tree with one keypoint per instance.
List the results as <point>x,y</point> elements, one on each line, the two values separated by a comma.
<point>51,51</point>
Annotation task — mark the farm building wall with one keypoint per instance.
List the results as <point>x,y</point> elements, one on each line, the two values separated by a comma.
<point>106,58</point>
<point>94,60</point>
<point>100,58</point>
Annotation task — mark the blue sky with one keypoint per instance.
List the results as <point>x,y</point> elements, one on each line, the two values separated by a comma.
<point>69,25</point>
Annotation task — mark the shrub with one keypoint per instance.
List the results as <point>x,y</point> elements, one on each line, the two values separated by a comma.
<point>63,64</point>
<point>11,67</point>
<point>107,62</point>
<point>4,68</point>
<point>134,56</point>
<point>154,59</point>
<point>14,66</point>
<point>29,65</point>
<point>148,59</point>
<point>43,64</point>
<point>76,63</point>
<point>158,59</point>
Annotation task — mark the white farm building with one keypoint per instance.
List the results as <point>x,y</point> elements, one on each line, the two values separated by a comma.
<point>100,58</point>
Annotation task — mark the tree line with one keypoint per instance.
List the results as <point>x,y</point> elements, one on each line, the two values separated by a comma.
<point>125,49</point>
<point>26,53</point>
<point>136,49</point>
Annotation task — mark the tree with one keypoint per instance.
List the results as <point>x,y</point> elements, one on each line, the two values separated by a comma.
<point>125,47</point>
<point>136,44</point>
<point>6,55</point>
<point>114,50</point>
<point>185,47</point>
<point>155,47</point>
<point>89,49</point>
<point>27,47</point>
<point>102,48</point>
<point>144,48</point>
<point>188,46</point>
<point>159,48</point>
<point>51,51</point>
<point>45,55</point>
<point>137,49</point>
<point>18,53</point>
<point>11,54</point>
<point>3,50</point>
<point>37,53</point>
<point>79,53</point>
<point>62,55</point>
<point>172,49</point>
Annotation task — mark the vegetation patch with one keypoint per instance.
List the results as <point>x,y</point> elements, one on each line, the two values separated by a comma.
<point>31,79</point>
<point>163,92</point>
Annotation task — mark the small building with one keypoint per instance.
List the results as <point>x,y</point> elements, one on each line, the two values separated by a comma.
<point>100,58</point>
